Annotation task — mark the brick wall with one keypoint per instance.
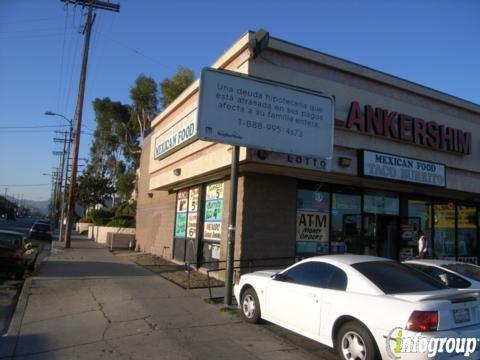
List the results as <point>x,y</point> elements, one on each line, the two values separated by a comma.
<point>156,214</point>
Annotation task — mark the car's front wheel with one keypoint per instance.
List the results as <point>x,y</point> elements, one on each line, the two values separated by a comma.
<point>250,306</point>
<point>354,342</point>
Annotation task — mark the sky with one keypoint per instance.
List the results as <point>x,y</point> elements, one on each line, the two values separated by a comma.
<point>430,42</point>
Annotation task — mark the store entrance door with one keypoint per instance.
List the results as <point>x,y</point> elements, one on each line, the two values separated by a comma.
<point>381,235</point>
<point>387,236</point>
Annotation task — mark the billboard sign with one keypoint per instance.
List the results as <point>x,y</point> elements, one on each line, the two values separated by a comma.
<point>240,110</point>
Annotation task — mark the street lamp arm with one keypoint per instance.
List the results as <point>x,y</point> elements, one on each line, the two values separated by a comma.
<point>51,113</point>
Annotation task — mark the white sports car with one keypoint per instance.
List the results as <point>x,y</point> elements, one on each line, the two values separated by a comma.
<point>454,274</point>
<point>367,307</point>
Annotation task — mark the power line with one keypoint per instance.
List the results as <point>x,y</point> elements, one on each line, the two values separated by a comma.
<point>29,20</point>
<point>41,126</point>
<point>23,185</point>
<point>31,127</point>
<point>31,30</point>
<point>23,131</point>
<point>62,59</point>
<point>74,61</point>
<point>14,37</point>
<point>138,52</point>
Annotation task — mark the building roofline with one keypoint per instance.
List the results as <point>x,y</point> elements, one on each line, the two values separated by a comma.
<point>316,56</point>
<point>331,61</point>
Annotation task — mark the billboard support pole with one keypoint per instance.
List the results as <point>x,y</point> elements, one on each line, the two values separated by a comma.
<point>232,221</point>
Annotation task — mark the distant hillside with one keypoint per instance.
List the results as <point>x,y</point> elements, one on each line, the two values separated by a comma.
<point>40,206</point>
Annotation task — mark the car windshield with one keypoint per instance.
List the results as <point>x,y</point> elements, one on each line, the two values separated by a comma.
<point>394,278</point>
<point>10,241</point>
<point>41,227</point>
<point>468,270</point>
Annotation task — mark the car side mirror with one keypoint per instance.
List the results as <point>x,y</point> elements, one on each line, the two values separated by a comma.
<point>280,277</point>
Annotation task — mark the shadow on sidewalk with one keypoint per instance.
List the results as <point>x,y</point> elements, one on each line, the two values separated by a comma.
<point>11,347</point>
<point>59,268</point>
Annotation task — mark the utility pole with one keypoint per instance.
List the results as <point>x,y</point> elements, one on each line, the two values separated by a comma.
<point>59,197</point>
<point>79,109</point>
<point>62,206</point>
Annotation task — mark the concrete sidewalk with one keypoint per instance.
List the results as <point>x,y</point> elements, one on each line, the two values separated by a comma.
<point>85,303</point>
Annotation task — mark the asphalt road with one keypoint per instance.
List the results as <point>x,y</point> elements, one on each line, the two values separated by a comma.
<point>9,287</point>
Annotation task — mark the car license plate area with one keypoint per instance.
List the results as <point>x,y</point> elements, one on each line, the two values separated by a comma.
<point>461,315</point>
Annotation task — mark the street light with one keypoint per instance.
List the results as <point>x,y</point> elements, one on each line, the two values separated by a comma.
<point>62,210</point>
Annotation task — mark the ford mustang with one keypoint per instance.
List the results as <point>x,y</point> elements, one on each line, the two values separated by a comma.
<point>366,307</point>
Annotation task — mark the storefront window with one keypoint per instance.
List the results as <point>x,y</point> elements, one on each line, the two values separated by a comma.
<point>192,225</point>
<point>180,225</point>
<point>346,223</point>
<point>384,203</point>
<point>467,233</point>
<point>444,222</point>
<point>313,221</point>
<point>212,228</point>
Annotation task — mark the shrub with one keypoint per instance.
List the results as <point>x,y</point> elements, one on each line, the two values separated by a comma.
<point>100,217</point>
<point>126,208</point>
<point>124,221</point>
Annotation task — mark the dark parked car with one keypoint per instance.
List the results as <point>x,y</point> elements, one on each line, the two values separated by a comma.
<point>41,221</point>
<point>41,231</point>
<point>17,253</point>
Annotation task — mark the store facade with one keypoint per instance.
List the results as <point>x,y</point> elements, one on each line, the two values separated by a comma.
<point>406,158</point>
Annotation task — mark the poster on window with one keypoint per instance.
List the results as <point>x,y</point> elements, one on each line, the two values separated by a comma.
<point>192,225</point>
<point>181,225</point>
<point>214,191</point>
<point>212,231</point>
<point>182,201</point>
<point>193,200</point>
<point>216,251</point>
<point>213,211</point>
<point>313,200</point>
<point>192,212</point>
<point>312,226</point>
<point>380,204</point>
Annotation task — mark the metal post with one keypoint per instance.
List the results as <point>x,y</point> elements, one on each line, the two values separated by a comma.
<point>232,222</point>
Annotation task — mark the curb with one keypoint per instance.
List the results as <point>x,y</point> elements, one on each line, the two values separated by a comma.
<point>17,318</point>
<point>22,302</point>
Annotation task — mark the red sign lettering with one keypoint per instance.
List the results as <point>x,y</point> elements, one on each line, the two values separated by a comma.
<point>404,127</point>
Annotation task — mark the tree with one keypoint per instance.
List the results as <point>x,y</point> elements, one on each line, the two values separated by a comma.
<point>144,96</point>
<point>126,184</point>
<point>112,137</point>
<point>174,86</point>
<point>93,189</point>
